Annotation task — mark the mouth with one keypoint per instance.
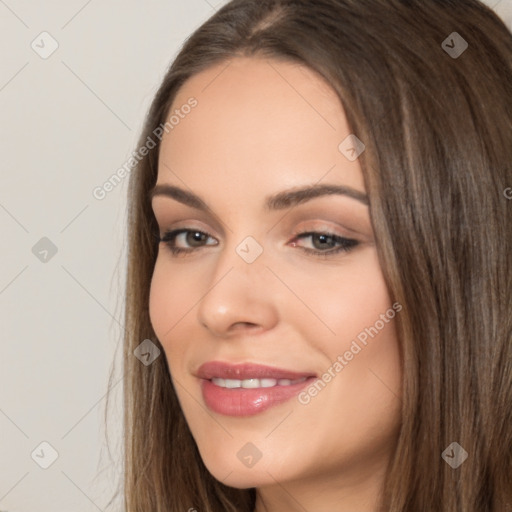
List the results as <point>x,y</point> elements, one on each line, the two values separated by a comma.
<point>248,389</point>
<point>254,383</point>
<point>248,371</point>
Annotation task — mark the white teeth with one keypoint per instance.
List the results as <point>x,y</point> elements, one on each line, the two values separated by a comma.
<point>254,383</point>
<point>250,383</point>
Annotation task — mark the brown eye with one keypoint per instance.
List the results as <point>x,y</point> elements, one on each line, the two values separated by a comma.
<point>324,244</point>
<point>192,238</point>
<point>195,237</point>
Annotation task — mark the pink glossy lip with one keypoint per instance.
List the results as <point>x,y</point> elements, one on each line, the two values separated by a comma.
<point>247,402</point>
<point>246,371</point>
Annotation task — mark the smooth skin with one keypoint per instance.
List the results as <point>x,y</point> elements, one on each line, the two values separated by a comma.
<point>261,127</point>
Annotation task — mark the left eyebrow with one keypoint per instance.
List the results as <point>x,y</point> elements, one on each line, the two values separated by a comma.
<point>293,197</point>
<point>279,201</point>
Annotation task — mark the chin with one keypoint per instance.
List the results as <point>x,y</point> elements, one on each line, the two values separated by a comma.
<point>235,474</point>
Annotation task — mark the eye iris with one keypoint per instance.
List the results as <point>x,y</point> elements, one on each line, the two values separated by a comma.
<point>323,238</point>
<point>195,236</point>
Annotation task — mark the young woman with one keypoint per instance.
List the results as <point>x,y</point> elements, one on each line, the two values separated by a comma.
<point>318,307</point>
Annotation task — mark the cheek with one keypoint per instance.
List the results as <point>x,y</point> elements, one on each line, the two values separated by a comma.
<point>160,301</point>
<point>345,300</point>
<point>174,297</point>
<point>169,301</point>
<point>172,294</point>
<point>357,339</point>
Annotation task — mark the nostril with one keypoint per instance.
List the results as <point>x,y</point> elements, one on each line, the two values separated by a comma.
<point>245,325</point>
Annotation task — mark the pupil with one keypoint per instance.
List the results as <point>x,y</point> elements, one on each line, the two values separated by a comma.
<point>196,236</point>
<point>324,238</point>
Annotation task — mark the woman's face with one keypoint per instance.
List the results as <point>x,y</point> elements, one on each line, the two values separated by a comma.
<point>257,301</point>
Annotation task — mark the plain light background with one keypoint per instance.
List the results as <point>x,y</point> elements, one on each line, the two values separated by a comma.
<point>69,121</point>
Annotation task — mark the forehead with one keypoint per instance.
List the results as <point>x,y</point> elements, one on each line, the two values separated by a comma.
<point>258,121</point>
<point>264,78</point>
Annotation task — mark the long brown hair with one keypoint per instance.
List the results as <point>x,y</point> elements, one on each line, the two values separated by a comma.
<point>438,134</point>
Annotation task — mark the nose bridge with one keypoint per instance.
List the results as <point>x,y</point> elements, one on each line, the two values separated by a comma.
<point>239,290</point>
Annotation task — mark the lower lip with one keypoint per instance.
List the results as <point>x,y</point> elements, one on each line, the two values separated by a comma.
<point>247,402</point>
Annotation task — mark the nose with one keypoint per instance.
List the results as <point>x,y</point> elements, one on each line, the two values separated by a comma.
<point>240,296</point>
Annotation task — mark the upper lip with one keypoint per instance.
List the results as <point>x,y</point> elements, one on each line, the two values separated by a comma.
<point>242,371</point>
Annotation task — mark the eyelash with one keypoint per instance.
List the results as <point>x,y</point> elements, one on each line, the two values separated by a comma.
<point>347,244</point>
